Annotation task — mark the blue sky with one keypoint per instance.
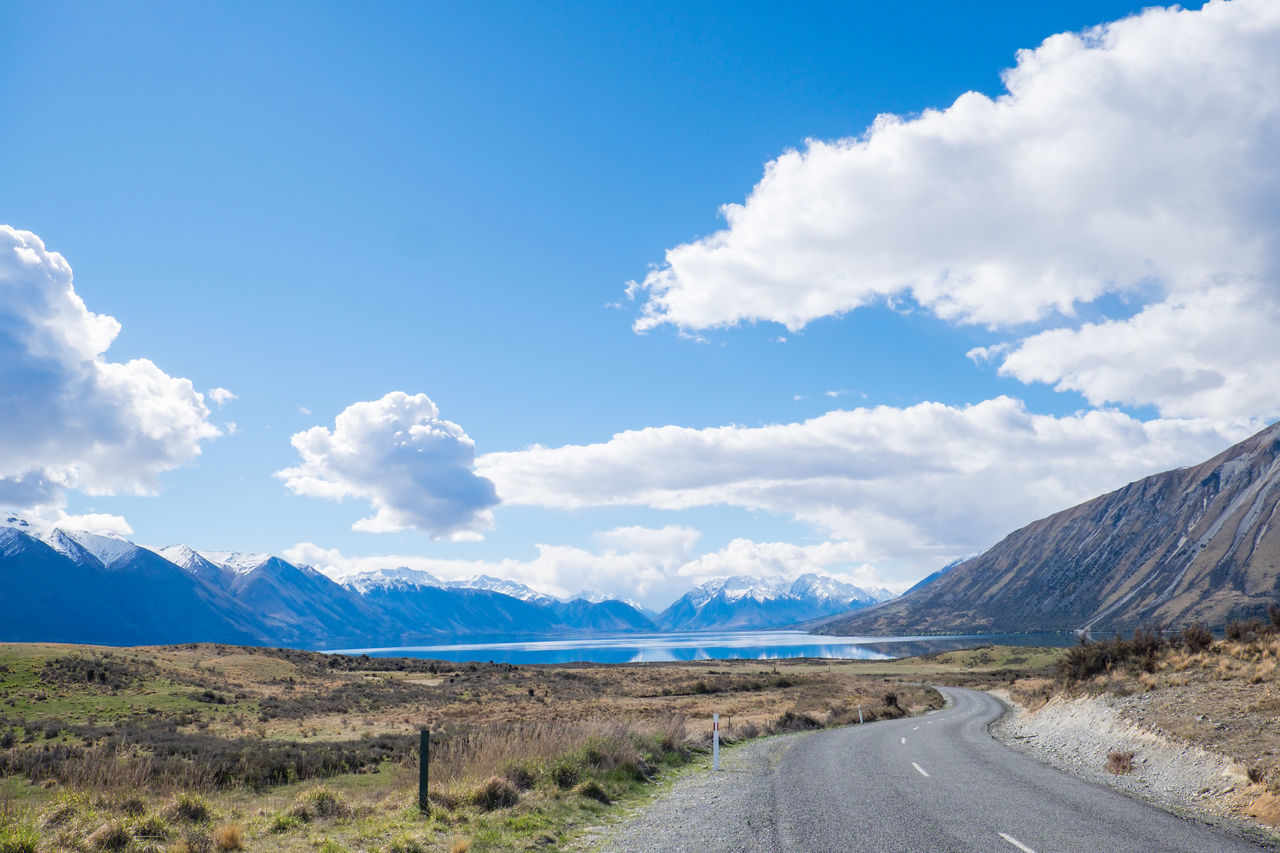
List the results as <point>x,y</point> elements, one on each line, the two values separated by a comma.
<point>910,340</point>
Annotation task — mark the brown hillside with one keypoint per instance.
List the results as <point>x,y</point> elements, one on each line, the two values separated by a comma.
<point>1193,544</point>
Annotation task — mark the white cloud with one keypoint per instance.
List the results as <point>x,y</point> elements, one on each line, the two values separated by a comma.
<point>1216,353</point>
<point>1134,159</point>
<point>414,468</point>
<point>905,489</point>
<point>77,420</point>
<point>652,565</point>
<point>221,396</point>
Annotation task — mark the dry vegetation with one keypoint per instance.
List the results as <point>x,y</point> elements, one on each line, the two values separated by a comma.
<point>206,747</point>
<point>1220,694</point>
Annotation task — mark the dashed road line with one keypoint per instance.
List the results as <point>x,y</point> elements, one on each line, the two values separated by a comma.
<point>915,729</point>
<point>904,740</point>
<point>1016,843</point>
<point>926,775</point>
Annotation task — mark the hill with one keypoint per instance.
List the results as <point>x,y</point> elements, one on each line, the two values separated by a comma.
<point>1192,544</point>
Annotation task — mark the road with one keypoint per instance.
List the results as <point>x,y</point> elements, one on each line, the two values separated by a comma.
<point>934,783</point>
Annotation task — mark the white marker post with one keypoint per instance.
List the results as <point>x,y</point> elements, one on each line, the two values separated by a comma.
<point>859,713</point>
<point>715,741</point>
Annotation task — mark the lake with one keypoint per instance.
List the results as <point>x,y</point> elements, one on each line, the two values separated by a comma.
<point>722,645</point>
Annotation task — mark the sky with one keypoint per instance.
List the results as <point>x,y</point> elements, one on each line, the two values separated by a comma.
<point>624,297</point>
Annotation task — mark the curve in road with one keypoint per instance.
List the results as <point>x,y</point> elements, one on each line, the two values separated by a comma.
<point>934,783</point>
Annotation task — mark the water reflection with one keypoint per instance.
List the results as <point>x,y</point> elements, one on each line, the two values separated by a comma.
<point>727,645</point>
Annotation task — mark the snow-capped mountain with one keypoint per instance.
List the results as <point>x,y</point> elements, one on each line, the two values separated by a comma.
<point>74,586</point>
<point>748,602</point>
<point>401,577</point>
<point>511,588</point>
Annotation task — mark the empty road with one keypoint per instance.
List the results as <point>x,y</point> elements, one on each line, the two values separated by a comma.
<point>933,783</point>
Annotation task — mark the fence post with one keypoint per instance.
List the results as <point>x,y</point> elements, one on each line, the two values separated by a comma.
<point>715,741</point>
<point>859,713</point>
<point>424,757</point>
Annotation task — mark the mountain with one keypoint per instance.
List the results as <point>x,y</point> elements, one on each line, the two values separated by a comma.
<point>73,586</point>
<point>744,602</point>
<point>1192,544</point>
<point>79,587</point>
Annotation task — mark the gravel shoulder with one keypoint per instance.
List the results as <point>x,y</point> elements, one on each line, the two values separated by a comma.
<point>1077,734</point>
<point>741,792</point>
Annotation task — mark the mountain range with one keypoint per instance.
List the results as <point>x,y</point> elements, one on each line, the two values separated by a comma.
<point>73,586</point>
<point>1196,544</point>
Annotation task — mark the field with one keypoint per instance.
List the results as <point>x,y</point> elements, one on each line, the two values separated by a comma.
<point>208,747</point>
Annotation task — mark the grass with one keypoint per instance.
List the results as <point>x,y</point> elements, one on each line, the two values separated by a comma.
<point>1120,762</point>
<point>206,747</point>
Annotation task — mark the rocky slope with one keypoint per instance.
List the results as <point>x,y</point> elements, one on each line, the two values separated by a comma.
<point>1193,544</point>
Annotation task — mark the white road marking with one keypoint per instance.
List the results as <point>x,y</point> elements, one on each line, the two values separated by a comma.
<point>916,729</point>
<point>926,775</point>
<point>1016,843</point>
<point>904,740</point>
<point>930,723</point>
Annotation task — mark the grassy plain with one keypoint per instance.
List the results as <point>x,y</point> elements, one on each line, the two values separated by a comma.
<point>210,747</point>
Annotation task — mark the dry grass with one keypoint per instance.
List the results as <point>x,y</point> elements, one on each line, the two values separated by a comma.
<point>1120,762</point>
<point>229,836</point>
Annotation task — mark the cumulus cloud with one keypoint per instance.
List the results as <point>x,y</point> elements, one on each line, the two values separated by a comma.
<point>416,469</point>
<point>917,486</point>
<point>652,565</point>
<point>78,421</point>
<point>1137,158</point>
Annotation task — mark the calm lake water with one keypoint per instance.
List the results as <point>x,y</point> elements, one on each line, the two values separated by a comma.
<point>725,645</point>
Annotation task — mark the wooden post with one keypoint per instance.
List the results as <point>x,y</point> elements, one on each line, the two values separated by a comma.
<point>424,757</point>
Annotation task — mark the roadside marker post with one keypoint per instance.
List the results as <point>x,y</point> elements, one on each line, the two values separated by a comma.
<point>715,741</point>
<point>859,713</point>
<point>424,756</point>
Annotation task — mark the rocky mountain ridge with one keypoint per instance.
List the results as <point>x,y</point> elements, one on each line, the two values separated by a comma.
<point>1193,544</point>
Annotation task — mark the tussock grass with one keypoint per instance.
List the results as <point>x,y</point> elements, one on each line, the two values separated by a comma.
<point>229,836</point>
<point>1120,762</point>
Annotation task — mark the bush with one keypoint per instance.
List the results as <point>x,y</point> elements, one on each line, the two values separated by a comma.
<point>1243,631</point>
<point>1197,637</point>
<point>494,793</point>
<point>793,721</point>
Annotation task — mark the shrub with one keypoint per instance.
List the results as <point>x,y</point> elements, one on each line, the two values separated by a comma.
<point>890,700</point>
<point>1197,637</point>
<point>793,721</point>
<point>494,793</point>
<point>1120,762</point>
<point>1242,632</point>
<point>229,836</point>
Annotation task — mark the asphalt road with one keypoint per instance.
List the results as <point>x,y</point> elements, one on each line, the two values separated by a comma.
<point>934,783</point>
